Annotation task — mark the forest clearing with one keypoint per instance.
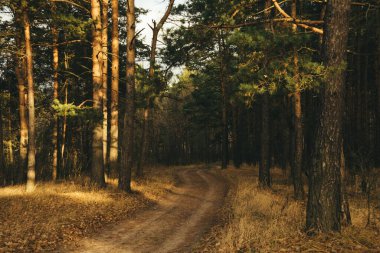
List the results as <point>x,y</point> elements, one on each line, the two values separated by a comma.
<point>189,126</point>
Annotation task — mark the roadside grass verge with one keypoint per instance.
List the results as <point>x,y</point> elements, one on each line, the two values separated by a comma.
<point>57,215</point>
<point>271,221</point>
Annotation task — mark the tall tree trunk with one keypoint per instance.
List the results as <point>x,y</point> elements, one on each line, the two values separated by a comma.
<point>54,32</point>
<point>377,71</point>
<point>31,175</point>
<point>298,128</point>
<point>324,202</point>
<point>20,75</point>
<point>144,140</point>
<point>129,117</point>
<point>97,136</point>
<point>223,86</point>
<point>105,79</point>
<point>114,128</point>
<point>264,166</point>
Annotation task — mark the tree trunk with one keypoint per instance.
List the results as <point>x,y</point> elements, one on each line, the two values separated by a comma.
<point>97,136</point>
<point>20,75</point>
<point>129,117</point>
<point>223,86</point>
<point>105,79</point>
<point>54,32</point>
<point>377,71</point>
<point>114,131</point>
<point>324,202</point>
<point>31,175</point>
<point>298,128</point>
<point>264,166</point>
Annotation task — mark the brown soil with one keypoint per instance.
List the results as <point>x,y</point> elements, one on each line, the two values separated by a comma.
<point>176,224</point>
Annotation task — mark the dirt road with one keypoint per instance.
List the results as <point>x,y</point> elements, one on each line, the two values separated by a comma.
<point>174,225</point>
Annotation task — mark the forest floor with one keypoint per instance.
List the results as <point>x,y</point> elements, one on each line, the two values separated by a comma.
<point>256,220</point>
<point>182,209</point>
<point>60,215</point>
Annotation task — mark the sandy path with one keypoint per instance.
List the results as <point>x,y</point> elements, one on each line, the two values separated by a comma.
<point>174,225</point>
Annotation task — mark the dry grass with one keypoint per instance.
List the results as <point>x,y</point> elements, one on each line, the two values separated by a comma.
<point>271,221</point>
<point>60,214</point>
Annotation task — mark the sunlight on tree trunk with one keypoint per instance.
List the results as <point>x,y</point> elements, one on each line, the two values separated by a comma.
<point>31,175</point>
<point>114,129</point>
<point>54,32</point>
<point>105,80</point>
<point>21,75</point>
<point>97,137</point>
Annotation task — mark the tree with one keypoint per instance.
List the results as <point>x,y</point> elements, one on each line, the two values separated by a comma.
<point>54,32</point>
<point>20,75</point>
<point>129,117</point>
<point>31,175</point>
<point>104,56</point>
<point>152,62</point>
<point>114,128</point>
<point>264,166</point>
<point>97,137</point>
<point>324,202</point>
<point>298,128</point>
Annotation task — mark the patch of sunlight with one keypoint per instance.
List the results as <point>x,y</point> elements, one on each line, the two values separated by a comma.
<point>12,191</point>
<point>86,197</point>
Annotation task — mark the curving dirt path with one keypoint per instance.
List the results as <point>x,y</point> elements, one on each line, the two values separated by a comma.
<point>174,225</point>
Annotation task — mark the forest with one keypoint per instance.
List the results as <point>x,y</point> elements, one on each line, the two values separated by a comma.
<point>206,126</point>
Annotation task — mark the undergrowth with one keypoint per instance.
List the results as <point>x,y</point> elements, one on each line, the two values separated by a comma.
<point>271,221</point>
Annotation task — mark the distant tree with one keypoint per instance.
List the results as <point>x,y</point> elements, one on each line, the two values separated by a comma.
<point>152,65</point>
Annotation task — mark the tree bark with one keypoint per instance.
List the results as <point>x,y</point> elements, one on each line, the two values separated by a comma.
<point>54,32</point>
<point>324,199</point>
<point>105,79</point>
<point>97,134</point>
<point>144,140</point>
<point>377,71</point>
<point>114,129</point>
<point>264,165</point>
<point>345,208</point>
<point>20,75</point>
<point>298,128</point>
<point>223,86</point>
<point>129,117</point>
<point>31,174</point>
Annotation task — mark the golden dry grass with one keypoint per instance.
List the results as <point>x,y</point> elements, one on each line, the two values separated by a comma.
<point>57,215</point>
<point>271,221</point>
